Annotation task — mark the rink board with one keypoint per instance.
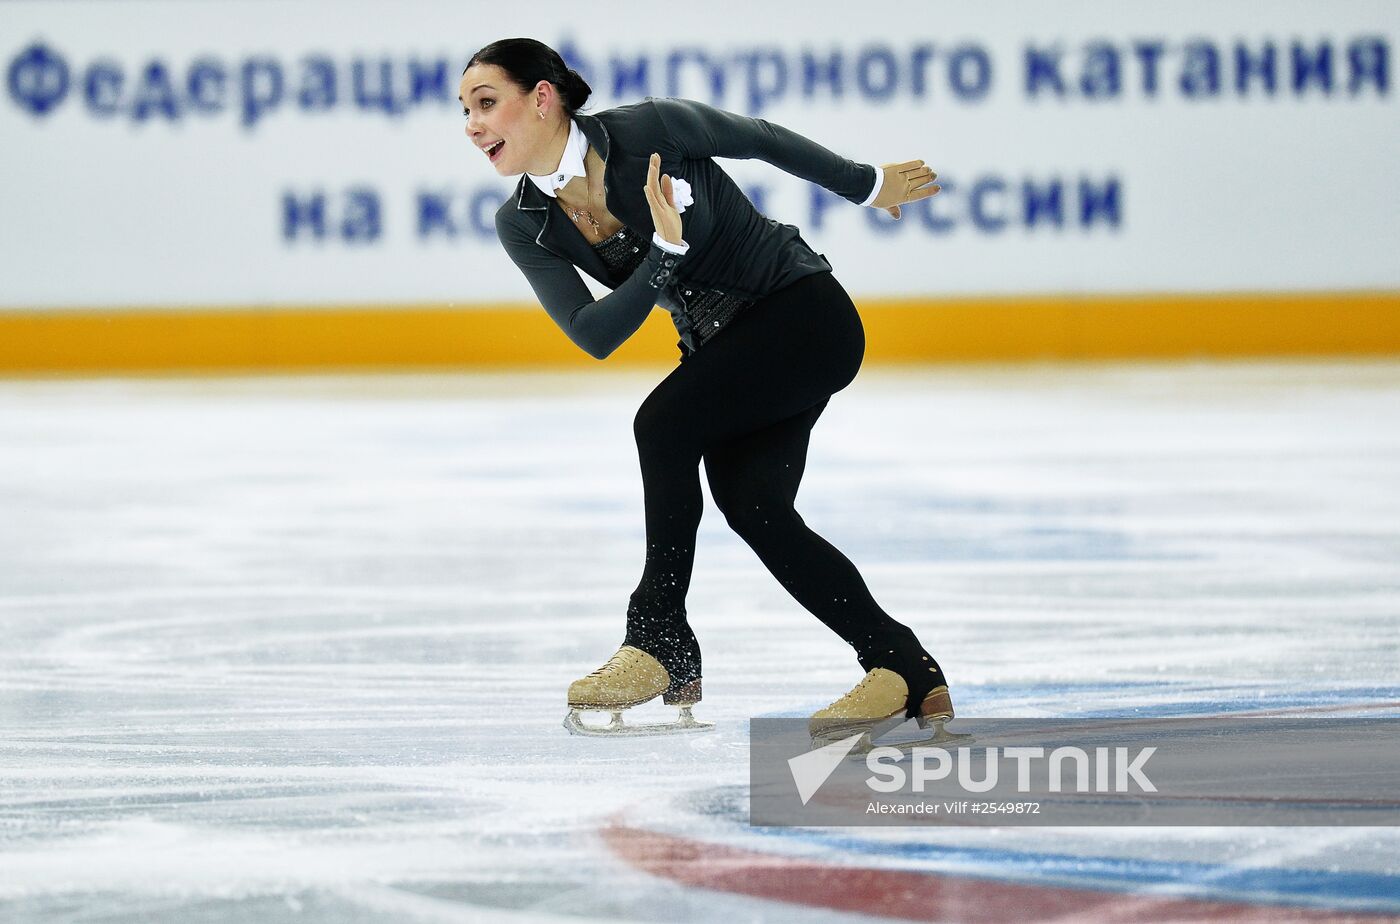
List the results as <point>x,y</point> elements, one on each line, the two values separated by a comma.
<point>1117,181</point>
<point>897,330</point>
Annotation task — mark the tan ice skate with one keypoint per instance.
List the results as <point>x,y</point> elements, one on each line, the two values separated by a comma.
<point>877,705</point>
<point>631,677</point>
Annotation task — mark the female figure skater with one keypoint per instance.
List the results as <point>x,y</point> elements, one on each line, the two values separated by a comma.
<point>767,335</point>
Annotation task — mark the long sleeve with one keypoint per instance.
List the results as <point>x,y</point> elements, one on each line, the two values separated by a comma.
<point>701,131</point>
<point>597,326</point>
<point>875,190</point>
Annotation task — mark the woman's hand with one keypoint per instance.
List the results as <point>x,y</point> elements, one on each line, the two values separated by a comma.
<point>661,198</point>
<point>905,183</point>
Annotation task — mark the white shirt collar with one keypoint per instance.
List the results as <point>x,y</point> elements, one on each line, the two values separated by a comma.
<point>570,165</point>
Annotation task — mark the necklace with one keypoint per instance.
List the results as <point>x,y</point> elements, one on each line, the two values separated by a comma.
<point>577,214</point>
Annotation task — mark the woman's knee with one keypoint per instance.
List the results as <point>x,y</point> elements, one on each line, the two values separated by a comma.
<point>754,517</point>
<point>656,423</point>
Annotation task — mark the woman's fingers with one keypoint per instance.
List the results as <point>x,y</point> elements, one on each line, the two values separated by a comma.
<point>919,183</point>
<point>653,188</point>
<point>659,191</point>
<point>919,177</point>
<point>908,167</point>
<point>904,182</point>
<point>662,200</point>
<point>924,193</point>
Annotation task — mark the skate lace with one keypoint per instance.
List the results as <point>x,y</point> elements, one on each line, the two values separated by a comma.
<point>616,662</point>
<point>854,691</point>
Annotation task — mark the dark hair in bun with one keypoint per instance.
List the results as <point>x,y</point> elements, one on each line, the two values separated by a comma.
<point>527,62</point>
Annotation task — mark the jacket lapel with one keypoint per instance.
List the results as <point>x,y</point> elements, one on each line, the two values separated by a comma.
<point>623,171</point>
<point>559,235</point>
<point>556,233</point>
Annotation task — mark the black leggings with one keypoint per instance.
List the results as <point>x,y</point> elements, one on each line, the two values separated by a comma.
<point>745,402</point>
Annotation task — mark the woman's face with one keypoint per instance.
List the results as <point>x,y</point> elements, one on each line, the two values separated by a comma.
<point>504,123</point>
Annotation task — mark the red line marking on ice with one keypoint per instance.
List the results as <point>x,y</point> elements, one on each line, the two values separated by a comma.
<point>918,896</point>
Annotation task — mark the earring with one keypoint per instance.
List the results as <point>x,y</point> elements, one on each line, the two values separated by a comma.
<point>541,112</point>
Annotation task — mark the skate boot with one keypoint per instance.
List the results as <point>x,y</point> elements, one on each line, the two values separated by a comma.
<point>880,704</point>
<point>631,677</point>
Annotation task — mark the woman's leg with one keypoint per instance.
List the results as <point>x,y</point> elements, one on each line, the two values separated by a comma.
<point>784,356</point>
<point>746,402</point>
<point>754,481</point>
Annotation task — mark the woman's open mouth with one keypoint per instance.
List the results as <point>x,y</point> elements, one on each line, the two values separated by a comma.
<point>494,152</point>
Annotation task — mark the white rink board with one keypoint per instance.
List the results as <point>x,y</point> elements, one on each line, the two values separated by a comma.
<point>137,174</point>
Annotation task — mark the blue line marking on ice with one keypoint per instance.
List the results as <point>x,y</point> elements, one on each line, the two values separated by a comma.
<point>1316,888</point>
<point>972,697</point>
<point>1360,696</point>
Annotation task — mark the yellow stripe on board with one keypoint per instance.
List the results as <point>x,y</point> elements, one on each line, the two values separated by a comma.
<point>898,330</point>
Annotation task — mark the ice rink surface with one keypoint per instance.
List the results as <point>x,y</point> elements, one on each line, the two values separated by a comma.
<point>295,649</point>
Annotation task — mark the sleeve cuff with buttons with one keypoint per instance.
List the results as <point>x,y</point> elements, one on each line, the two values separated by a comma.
<point>663,263</point>
<point>879,182</point>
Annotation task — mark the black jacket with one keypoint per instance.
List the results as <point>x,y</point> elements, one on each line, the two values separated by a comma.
<point>733,247</point>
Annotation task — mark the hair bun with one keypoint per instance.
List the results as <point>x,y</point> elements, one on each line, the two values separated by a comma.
<point>576,89</point>
<point>527,61</point>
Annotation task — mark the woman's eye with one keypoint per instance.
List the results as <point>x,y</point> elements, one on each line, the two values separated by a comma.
<point>486,102</point>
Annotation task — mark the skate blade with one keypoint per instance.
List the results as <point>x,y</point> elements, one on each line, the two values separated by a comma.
<point>616,728</point>
<point>868,729</point>
<point>873,738</point>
